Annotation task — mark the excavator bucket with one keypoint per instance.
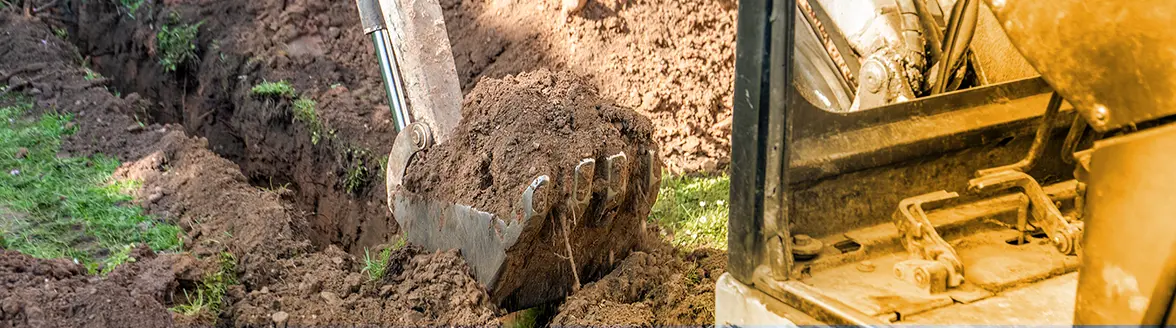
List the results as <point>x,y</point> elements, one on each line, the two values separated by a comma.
<point>540,185</point>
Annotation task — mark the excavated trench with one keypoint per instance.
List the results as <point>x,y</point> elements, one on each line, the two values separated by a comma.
<point>333,180</point>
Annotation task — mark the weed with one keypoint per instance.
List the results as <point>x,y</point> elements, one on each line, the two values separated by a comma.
<point>375,267</point>
<point>694,209</point>
<point>305,112</point>
<point>280,89</point>
<point>177,44</point>
<point>73,209</point>
<point>281,189</point>
<point>132,6</point>
<point>356,177</point>
<point>92,75</point>
<point>61,33</point>
<point>123,255</point>
<point>210,292</point>
<point>383,166</point>
<point>400,243</point>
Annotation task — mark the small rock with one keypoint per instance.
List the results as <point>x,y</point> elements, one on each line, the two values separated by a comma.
<point>69,125</point>
<point>264,290</point>
<point>154,197</point>
<point>22,152</point>
<point>331,298</point>
<point>280,318</point>
<point>134,128</point>
<point>866,266</point>
<point>386,290</point>
<point>333,32</point>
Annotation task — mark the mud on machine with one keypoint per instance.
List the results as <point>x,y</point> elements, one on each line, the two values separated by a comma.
<point>917,209</point>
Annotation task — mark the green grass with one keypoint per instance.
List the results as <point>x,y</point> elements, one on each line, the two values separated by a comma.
<point>374,267</point>
<point>305,112</point>
<point>132,6</point>
<point>91,75</point>
<point>208,298</point>
<point>356,177</point>
<point>61,33</point>
<point>177,44</point>
<point>69,207</point>
<point>694,210</point>
<point>280,89</point>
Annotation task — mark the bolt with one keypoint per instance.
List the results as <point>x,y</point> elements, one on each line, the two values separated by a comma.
<point>1101,113</point>
<point>866,266</point>
<point>420,136</point>
<point>802,240</point>
<point>872,75</point>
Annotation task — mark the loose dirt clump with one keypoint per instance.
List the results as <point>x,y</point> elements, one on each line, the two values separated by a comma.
<point>671,60</point>
<point>658,288</point>
<point>327,288</point>
<point>58,293</point>
<point>517,128</point>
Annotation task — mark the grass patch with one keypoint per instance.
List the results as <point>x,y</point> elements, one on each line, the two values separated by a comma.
<point>374,267</point>
<point>359,174</point>
<point>177,44</point>
<point>61,33</point>
<point>694,210</point>
<point>91,75</point>
<point>356,177</point>
<point>132,6</point>
<point>280,89</point>
<point>305,112</point>
<point>208,299</point>
<point>70,207</point>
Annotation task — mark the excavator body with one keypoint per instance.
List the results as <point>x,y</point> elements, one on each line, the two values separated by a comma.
<point>972,193</point>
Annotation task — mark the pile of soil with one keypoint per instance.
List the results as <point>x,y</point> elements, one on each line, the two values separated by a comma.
<point>327,288</point>
<point>59,293</point>
<point>659,288</point>
<point>668,59</point>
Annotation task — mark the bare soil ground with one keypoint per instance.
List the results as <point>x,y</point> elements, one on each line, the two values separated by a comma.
<point>239,175</point>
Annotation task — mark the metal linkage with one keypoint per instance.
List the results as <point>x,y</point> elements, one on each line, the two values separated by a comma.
<point>1044,130</point>
<point>936,266</point>
<point>1065,236</point>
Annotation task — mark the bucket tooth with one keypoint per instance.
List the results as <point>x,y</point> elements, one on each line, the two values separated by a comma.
<point>618,179</point>
<point>581,194</point>
<point>652,176</point>
<point>532,206</point>
<point>616,188</point>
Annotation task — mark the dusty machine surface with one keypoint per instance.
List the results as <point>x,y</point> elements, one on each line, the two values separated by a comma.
<point>536,180</point>
<point>888,168</point>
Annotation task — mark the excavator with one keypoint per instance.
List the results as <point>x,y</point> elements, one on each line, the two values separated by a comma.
<point>893,162</point>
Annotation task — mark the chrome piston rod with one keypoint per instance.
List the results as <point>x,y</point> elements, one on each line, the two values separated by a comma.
<point>372,19</point>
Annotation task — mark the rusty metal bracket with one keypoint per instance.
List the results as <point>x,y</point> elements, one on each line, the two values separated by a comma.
<point>935,266</point>
<point>1065,236</point>
<point>1040,140</point>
